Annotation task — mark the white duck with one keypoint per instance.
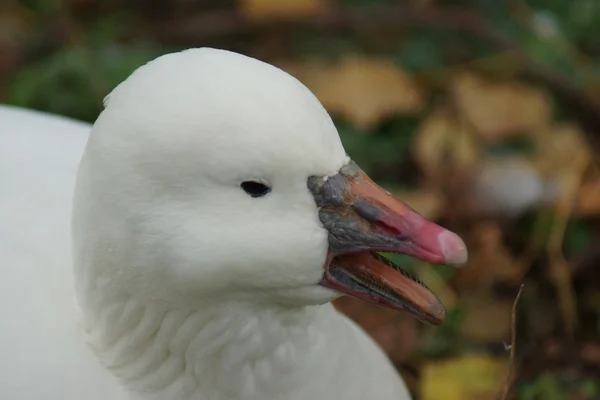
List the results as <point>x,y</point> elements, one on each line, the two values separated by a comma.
<point>211,199</point>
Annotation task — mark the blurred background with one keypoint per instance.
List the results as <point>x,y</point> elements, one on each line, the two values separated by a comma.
<point>484,115</point>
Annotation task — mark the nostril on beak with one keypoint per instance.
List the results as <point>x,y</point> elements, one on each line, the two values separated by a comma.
<point>388,228</point>
<point>374,215</point>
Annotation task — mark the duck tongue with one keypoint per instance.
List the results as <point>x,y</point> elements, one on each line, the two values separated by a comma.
<point>362,219</point>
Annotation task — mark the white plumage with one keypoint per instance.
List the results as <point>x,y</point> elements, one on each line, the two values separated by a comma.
<point>182,286</point>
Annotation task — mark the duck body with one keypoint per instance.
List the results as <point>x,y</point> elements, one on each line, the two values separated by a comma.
<point>188,245</point>
<point>49,354</point>
<point>41,338</point>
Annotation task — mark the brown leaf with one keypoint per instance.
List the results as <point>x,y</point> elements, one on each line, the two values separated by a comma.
<point>588,200</point>
<point>441,144</point>
<point>500,110</point>
<point>558,146</point>
<point>489,261</point>
<point>428,203</point>
<point>260,10</point>
<point>364,90</point>
<point>563,155</point>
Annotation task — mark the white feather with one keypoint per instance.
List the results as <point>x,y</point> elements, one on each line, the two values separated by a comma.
<point>182,286</point>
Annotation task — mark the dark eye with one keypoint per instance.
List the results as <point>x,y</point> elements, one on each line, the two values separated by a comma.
<point>255,189</point>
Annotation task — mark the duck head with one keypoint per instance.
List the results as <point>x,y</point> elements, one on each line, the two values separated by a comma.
<point>211,175</point>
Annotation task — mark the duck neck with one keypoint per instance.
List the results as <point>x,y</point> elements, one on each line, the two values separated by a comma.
<point>224,350</point>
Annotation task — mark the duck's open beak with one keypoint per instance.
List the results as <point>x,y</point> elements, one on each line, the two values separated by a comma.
<point>363,219</point>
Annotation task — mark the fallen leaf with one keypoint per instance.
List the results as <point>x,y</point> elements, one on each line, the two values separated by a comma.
<point>260,10</point>
<point>571,161</point>
<point>558,146</point>
<point>588,198</point>
<point>563,155</point>
<point>364,90</point>
<point>500,110</point>
<point>428,203</point>
<point>489,261</point>
<point>441,143</point>
<point>471,377</point>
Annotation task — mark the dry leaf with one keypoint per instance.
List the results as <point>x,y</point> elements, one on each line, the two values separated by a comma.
<point>489,261</point>
<point>441,143</point>
<point>471,377</point>
<point>260,10</point>
<point>563,155</point>
<point>363,90</point>
<point>588,201</point>
<point>559,146</point>
<point>500,110</point>
<point>428,203</point>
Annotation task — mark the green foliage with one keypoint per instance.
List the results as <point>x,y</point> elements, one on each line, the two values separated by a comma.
<point>590,388</point>
<point>74,79</point>
<point>549,386</point>
<point>579,236</point>
<point>424,50</point>
<point>404,262</point>
<point>443,340</point>
<point>546,387</point>
<point>41,7</point>
<point>389,145</point>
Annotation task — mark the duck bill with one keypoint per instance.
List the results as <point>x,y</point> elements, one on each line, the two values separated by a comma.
<point>363,219</point>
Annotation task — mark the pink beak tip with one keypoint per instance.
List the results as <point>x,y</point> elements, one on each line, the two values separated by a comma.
<point>453,248</point>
